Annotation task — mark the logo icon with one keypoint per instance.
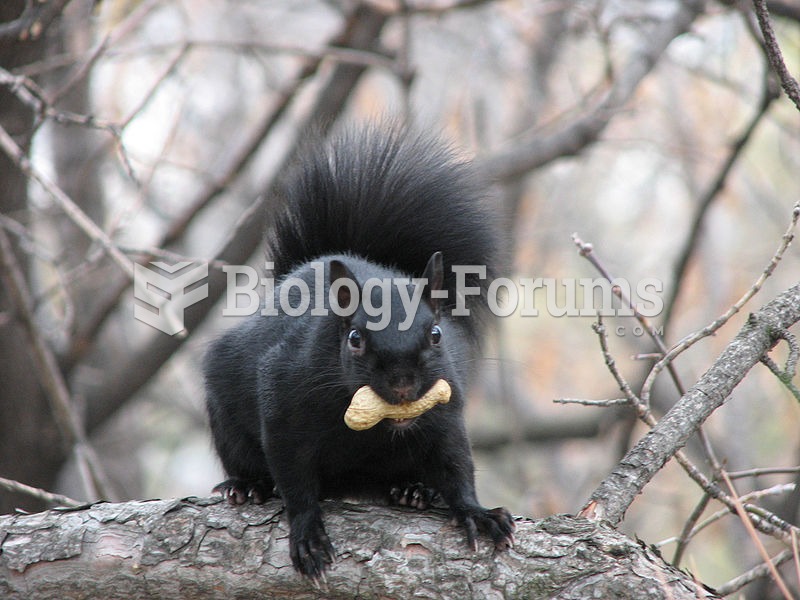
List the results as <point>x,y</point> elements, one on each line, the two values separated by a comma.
<point>162,292</point>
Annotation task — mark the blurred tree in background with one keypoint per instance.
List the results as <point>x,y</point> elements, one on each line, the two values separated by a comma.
<point>141,130</point>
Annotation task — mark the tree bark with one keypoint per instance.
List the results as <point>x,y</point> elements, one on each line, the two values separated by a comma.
<point>205,548</point>
<point>25,417</point>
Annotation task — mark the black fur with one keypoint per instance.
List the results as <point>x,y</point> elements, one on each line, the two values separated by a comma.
<point>378,202</point>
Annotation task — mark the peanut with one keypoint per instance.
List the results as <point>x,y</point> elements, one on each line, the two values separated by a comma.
<point>367,408</point>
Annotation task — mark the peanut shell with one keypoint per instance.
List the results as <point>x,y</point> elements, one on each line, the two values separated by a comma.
<point>367,408</point>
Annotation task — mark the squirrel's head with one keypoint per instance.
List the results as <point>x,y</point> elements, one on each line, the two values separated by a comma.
<point>391,334</point>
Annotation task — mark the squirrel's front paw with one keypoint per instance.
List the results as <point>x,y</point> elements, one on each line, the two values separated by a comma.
<point>497,523</point>
<point>310,547</point>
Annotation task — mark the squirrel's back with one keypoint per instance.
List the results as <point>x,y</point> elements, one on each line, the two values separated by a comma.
<point>394,197</point>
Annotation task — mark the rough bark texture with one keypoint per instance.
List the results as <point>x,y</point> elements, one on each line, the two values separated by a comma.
<point>204,548</point>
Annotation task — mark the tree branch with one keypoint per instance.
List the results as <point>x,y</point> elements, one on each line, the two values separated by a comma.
<point>691,339</point>
<point>205,548</point>
<point>51,378</point>
<point>615,494</point>
<point>789,83</point>
<point>579,133</point>
<point>43,495</point>
<point>769,94</point>
<point>757,572</point>
<point>540,429</point>
<point>65,203</point>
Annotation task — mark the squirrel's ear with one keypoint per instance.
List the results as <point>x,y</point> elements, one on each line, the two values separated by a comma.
<point>434,273</point>
<point>344,296</point>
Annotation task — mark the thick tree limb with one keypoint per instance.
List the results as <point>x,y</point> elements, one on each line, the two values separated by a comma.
<point>201,548</point>
<point>578,133</point>
<point>536,429</point>
<point>616,492</point>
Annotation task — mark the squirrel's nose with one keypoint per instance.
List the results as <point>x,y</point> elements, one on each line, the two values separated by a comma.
<point>404,392</point>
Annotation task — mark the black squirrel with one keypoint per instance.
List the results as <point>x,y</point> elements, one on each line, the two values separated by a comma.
<point>375,202</point>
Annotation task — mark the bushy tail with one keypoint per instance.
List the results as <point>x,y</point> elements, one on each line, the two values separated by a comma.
<point>393,197</point>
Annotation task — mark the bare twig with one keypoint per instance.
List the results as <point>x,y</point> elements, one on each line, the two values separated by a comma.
<point>711,194</point>
<point>762,570</point>
<point>711,328</point>
<point>603,403</point>
<point>642,410</point>
<point>796,554</point>
<point>167,72</point>
<point>421,8</point>
<point>49,497</point>
<point>364,58</point>
<point>689,529</point>
<point>587,251</point>
<point>29,93</point>
<point>61,286</point>
<point>763,520</point>
<point>404,70</point>
<point>754,536</point>
<point>594,510</point>
<point>131,21</point>
<point>52,379</point>
<point>615,494</point>
<point>149,253</point>
<point>76,215</point>
<point>789,83</point>
<point>761,471</point>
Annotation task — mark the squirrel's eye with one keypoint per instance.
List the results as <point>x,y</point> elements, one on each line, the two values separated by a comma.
<point>354,339</point>
<point>436,335</point>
